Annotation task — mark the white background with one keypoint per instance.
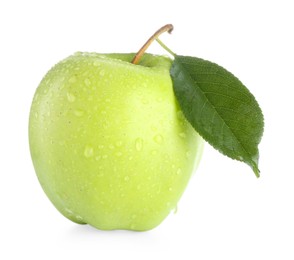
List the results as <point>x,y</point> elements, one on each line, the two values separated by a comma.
<point>225,213</point>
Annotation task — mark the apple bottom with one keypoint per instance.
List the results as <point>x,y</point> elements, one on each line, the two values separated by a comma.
<point>113,199</point>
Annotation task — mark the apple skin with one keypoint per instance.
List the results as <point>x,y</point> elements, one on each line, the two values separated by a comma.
<point>109,143</point>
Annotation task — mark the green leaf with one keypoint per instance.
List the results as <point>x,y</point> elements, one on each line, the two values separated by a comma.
<point>219,107</point>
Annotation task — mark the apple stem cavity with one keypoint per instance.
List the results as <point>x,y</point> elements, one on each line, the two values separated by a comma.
<point>167,28</point>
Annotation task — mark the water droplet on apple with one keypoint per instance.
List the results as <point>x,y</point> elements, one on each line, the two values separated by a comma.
<point>101,146</point>
<point>144,101</point>
<point>36,115</point>
<point>180,115</point>
<point>188,154</point>
<point>89,151</point>
<point>73,79</point>
<point>170,189</point>
<point>102,73</point>
<point>105,156</point>
<point>133,226</point>
<point>153,128</point>
<point>118,154</point>
<point>179,171</point>
<point>79,218</point>
<point>118,143</point>
<point>111,146</point>
<point>176,209</point>
<point>182,135</point>
<point>154,152</point>
<point>98,157</point>
<point>68,211</point>
<point>96,63</point>
<point>158,139</point>
<point>87,82</point>
<point>139,144</point>
<point>159,99</point>
<point>71,97</point>
<point>127,178</point>
<point>79,113</point>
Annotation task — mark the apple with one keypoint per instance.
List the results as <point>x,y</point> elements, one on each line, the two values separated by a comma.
<point>109,143</point>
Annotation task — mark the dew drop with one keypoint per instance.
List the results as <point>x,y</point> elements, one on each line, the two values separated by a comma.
<point>179,171</point>
<point>101,146</point>
<point>182,135</point>
<point>71,97</point>
<point>89,151</point>
<point>98,157</point>
<point>118,154</point>
<point>154,128</point>
<point>79,113</point>
<point>118,143</point>
<point>158,139</point>
<point>100,174</point>
<point>68,211</point>
<point>188,154</point>
<point>133,226</point>
<point>79,218</point>
<point>180,115</point>
<point>87,82</point>
<point>102,73</point>
<point>144,101</point>
<point>96,63</point>
<point>170,189</point>
<point>73,79</point>
<point>111,146</point>
<point>105,156</point>
<point>176,209</point>
<point>139,144</point>
<point>127,178</point>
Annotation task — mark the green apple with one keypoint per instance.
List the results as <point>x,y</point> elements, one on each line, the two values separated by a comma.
<point>109,143</point>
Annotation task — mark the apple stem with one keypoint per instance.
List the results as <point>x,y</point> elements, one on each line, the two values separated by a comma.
<point>167,28</point>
